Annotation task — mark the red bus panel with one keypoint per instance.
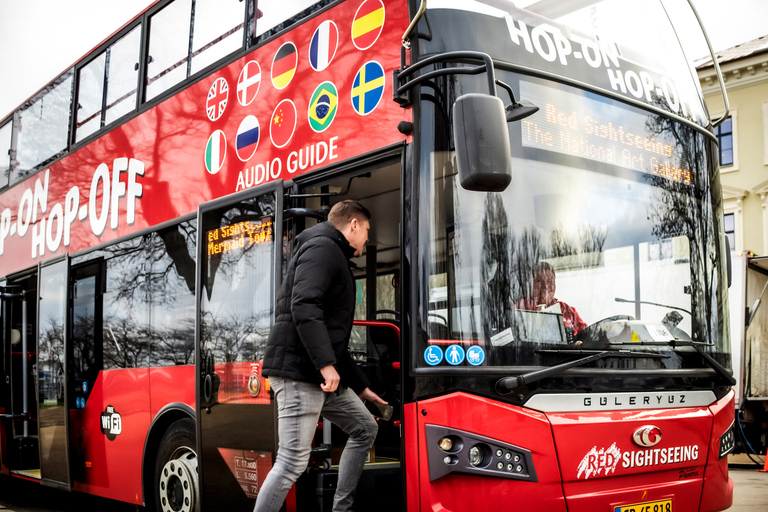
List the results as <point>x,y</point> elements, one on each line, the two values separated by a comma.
<point>234,129</point>
<point>508,424</point>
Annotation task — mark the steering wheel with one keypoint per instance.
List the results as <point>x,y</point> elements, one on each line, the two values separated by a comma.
<point>596,332</point>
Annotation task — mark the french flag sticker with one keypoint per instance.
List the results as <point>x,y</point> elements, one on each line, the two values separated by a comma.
<point>323,47</point>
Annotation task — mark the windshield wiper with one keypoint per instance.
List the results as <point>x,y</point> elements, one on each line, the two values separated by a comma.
<point>506,384</point>
<point>719,369</point>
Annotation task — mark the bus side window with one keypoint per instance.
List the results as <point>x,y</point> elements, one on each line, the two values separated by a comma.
<point>126,300</point>
<point>172,308</point>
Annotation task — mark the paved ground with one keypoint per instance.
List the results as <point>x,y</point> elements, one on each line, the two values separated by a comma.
<point>750,495</point>
<point>750,490</point>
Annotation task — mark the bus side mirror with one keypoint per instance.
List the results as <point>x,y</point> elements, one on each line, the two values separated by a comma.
<point>483,154</point>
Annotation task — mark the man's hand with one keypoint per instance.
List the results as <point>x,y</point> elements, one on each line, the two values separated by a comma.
<point>331,377</point>
<point>367,394</point>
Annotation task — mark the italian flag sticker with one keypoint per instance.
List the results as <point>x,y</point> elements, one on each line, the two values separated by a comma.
<point>215,151</point>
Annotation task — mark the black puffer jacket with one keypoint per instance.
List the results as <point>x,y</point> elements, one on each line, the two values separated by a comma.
<point>314,313</point>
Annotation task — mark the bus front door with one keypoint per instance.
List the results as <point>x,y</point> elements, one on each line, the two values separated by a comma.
<point>53,417</point>
<point>20,449</point>
<point>240,247</point>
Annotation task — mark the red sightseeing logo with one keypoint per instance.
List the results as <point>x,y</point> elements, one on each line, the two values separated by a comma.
<point>647,436</point>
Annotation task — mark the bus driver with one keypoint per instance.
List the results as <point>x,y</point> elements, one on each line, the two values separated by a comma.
<point>544,297</point>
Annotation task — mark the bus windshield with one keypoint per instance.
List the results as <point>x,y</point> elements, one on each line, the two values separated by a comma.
<point>606,237</point>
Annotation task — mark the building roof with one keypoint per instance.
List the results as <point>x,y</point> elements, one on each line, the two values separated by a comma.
<point>754,47</point>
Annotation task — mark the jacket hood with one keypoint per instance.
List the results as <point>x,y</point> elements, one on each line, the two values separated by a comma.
<point>326,229</point>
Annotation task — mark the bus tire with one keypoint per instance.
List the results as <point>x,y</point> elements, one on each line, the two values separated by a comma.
<point>176,481</point>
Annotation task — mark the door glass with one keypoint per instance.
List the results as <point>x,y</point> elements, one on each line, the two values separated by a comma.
<point>50,373</point>
<point>86,334</point>
<point>238,288</point>
<point>237,259</point>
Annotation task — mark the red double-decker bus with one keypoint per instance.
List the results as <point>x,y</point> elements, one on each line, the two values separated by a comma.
<point>543,300</point>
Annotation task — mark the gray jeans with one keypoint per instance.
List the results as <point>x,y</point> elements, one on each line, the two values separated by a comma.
<point>299,406</point>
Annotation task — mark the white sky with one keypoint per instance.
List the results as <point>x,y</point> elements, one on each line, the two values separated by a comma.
<point>40,39</point>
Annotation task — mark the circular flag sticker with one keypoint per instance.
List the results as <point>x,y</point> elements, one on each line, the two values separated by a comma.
<point>218,95</point>
<point>215,151</point>
<point>323,46</point>
<point>247,138</point>
<point>433,355</point>
<point>454,355</point>
<point>248,83</point>
<point>284,65</point>
<point>322,106</point>
<point>368,88</point>
<point>367,25</point>
<point>475,355</point>
<point>282,123</point>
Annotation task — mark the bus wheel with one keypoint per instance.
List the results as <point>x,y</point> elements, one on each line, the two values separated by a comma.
<point>176,482</point>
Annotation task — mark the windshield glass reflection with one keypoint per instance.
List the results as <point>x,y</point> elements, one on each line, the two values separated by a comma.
<point>602,239</point>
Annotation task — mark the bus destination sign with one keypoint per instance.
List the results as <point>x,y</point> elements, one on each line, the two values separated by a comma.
<point>580,126</point>
<point>239,235</point>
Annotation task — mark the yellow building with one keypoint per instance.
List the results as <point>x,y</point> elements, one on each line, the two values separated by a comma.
<point>743,140</point>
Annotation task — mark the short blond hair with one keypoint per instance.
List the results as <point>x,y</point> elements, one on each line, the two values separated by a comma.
<point>342,213</point>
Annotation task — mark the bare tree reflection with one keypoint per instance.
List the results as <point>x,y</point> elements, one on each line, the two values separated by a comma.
<point>685,206</point>
<point>495,297</point>
<point>51,360</point>
<point>233,338</point>
<point>528,252</point>
<point>585,249</point>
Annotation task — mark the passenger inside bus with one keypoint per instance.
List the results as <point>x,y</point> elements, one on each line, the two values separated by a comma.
<point>543,299</point>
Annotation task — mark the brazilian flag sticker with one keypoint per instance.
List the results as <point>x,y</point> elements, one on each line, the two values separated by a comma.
<point>322,107</point>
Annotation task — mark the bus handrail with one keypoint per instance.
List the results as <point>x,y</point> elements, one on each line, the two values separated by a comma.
<point>448,56</point>
<point>406,40</point>
<point>717,68</point>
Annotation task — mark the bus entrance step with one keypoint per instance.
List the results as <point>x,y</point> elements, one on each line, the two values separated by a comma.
<point>23,453</point>
<point>315,490</point>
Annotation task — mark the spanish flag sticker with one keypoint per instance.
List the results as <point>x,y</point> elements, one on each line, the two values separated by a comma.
<point>367,25</point>
<point>284,65</point>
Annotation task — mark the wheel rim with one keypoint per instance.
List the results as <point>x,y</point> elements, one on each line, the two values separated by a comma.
<point>178,482</point>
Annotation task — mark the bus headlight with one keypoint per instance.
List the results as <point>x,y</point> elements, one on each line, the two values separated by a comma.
<point>446,444</point>
<point>476,455</point>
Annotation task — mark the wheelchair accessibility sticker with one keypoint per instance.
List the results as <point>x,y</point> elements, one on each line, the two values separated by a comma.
<point>433,355</point>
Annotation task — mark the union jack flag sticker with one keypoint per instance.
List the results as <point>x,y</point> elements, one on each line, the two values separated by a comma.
<point>218,95</point>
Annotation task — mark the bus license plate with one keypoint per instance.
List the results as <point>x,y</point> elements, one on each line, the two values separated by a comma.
<point>649,506</point>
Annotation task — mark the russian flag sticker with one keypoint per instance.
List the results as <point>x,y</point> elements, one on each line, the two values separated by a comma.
<point>247,139</point>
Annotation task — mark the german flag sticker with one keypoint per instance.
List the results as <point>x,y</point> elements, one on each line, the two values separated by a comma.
<point>284,65</point>
<point>367,25</point>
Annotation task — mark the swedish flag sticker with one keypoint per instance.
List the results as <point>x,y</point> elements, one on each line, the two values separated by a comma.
<point>322,106</point>
<point>368,88</point>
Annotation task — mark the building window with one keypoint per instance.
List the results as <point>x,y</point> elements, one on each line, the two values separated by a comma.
<point>729,221</point>
<point>724,134</point>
